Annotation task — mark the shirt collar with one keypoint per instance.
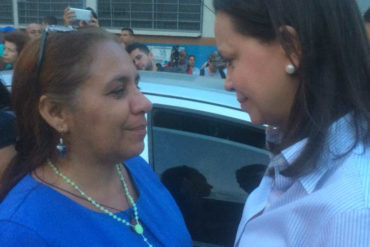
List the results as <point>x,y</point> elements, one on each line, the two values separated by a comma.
<point>340,139</point>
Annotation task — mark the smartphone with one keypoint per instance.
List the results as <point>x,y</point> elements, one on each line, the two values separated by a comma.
<point>82,14</point>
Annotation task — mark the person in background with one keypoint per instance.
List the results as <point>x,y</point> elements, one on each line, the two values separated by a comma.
<point>142,57</point>
<point>127,36</point>
<point>49,20</point>
<point>177,62</point>
<point>71,174</point>
<point>69,18</point>
<point>215,67</point>
<point>34,31</point>
<point>3,31</point>
<point>191,69</point>
<point>367,22</point>
<point>303,69</point>
<point>13,45</point>
<point>7,129</point>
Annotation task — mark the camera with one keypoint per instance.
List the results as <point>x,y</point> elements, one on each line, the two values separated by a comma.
<point>82,14</point>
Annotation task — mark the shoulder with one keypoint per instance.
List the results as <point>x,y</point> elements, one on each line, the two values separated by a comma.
<point>19,213</point>
<point>15,234</point>
<point>19,198</point>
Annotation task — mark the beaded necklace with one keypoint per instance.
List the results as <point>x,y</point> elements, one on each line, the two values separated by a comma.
<point>137,227</point>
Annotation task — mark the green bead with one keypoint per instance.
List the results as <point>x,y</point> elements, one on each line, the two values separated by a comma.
<point>139,229</point>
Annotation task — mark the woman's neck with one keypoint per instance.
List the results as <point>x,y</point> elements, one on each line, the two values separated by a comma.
<point>96,178</point>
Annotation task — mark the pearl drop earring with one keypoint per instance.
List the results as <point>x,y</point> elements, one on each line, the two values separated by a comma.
<point>290,69</point>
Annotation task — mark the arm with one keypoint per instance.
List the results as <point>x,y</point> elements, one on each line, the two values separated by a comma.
<point>6,154</point>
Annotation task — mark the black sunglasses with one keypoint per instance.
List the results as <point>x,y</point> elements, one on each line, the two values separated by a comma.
<point>44,37</point>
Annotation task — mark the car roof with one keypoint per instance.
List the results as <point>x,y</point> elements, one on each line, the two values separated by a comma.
<point>203,89</point>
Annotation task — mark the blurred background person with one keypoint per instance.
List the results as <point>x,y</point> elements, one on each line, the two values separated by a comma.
<point>191,69</point>
<point>49,20</point>
<point>303,69</point>
<point>215,66</point>
<point>34,31</point>
<point>69,18</point>
<point>127,36</point>
<point>141,56</point>
<point>71,174</point>
<point>14,43</point>
<point>177,63</point>
<point>4,30</point>
<point>7,129</point>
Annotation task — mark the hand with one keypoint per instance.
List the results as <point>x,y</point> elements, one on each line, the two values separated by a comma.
<point>68,16</point>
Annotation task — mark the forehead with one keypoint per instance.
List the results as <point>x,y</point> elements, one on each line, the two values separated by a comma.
<point>125,32</point>
<point>8,44</point>
<point>34,27</point>
<point>110,57</point>
<point>136,52</point>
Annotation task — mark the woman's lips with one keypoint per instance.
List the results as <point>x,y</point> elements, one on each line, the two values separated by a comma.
<point>140,130</point>
<point>243,101</point>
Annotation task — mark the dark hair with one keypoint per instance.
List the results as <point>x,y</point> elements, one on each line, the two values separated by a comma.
<point>367,15</point>
<point>64,69</point>
<point>129,30</point>
<point>334,68</point>
<point>139,46</point>
<point>18,38</point>
<point>4,97</point>
<point>94,14</point>
<point>50,20</point>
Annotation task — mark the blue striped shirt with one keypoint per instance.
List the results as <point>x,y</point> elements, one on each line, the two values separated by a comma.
<point>327,207</point>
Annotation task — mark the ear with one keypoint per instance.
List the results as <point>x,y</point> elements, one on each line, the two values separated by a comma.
<point>291,44</point>
<point>53,113</point>
<point>150,55</point>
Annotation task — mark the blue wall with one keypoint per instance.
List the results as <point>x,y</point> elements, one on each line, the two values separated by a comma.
<point>201,52</point>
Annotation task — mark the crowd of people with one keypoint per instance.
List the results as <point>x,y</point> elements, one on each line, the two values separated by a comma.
<point>74,126</point>
<point>178,62</point>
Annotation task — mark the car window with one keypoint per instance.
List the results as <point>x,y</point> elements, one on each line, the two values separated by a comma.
<point>209,163</point>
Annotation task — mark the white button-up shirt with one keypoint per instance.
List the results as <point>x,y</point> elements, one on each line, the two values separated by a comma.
<point>327,207</point>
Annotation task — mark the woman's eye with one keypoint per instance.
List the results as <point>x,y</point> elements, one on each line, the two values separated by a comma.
<point>118,93</point>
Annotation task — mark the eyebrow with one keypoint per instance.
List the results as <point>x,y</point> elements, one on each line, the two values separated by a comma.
<point>123,79</point>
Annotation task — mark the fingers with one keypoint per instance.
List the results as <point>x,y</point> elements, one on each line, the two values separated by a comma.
<point>68,16</point>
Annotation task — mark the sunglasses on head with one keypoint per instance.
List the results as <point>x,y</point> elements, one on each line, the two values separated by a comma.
<point>47,30</point>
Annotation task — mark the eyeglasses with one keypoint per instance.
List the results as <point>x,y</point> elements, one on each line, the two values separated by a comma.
<point>44,37</point>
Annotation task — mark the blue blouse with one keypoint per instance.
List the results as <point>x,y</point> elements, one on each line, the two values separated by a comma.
<point>34,214</point>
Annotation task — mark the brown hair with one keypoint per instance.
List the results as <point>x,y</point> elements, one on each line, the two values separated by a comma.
<point>66,66</point>
<point>18,38</point>
<point>334,66</point>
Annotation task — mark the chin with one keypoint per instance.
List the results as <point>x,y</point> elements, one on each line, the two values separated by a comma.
<point>135,151</point>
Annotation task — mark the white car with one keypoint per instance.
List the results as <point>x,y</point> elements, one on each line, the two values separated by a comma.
<point>204,149</point>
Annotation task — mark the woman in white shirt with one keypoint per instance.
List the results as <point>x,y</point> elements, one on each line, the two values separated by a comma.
<point>303,68</point>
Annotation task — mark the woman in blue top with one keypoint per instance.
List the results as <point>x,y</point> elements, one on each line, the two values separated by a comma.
<point>303,68</point>
<point>80,114</point>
